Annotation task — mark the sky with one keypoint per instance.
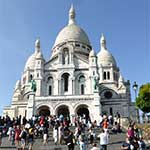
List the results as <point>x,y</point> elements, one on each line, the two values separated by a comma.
<point>125,24</point>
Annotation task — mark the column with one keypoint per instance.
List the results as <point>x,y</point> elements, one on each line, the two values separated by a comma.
<point>30,105</point>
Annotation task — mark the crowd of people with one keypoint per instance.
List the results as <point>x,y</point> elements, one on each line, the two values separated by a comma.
<point>81,132</point>
<point>134,139</point>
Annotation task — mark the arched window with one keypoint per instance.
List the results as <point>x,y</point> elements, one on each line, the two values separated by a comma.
<point>108,75</point>
<point>31,77</point>
<point>81,85</point>
<point>82,89</point>
<point>50,90</point>
<point>65,83</point>
<point>104,75</point>
<point>49,86</point>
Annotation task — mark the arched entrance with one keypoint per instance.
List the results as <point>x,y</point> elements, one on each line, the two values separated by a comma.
<point>64,110</point>
<point>83,111</point>
<point>43,111</point>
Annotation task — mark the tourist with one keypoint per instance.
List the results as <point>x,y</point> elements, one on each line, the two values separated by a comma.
<point>95,147</point>
<point>31,138</point>
<point>55,134</point>
<point>17,138</point>
<point>23,137</point>
<point>60,133</point>
<point>82,144</point>
<point>130,132</point>
<point>104,138</point>
<point>45,135</point>
<point>71,141</point>
<point>127,144</point>
<point>142,145</point>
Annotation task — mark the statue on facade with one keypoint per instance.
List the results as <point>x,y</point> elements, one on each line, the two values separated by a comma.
<point>33,85</point>
<point>66,57</point>
<point>95,83</point>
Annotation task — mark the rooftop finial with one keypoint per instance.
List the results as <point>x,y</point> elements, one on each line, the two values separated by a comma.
<point>37,45</point>
<point>103,42</point>
<point>72,15</point>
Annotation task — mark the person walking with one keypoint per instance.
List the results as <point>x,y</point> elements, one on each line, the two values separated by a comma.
<point>31,138</point>
<point>104,137</point>
<point>17,138</point>
<point>55,134</point>
<point>71,141</point>
<point>23,137</point>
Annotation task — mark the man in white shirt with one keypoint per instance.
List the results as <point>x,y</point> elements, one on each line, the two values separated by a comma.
<point>104,137</point>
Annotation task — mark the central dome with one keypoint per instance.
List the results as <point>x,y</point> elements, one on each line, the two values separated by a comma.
<point>72,32</point>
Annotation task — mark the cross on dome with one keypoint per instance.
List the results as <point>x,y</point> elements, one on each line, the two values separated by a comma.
<point>72,15</point>
<point>37,45</point>
<point>103,42</point>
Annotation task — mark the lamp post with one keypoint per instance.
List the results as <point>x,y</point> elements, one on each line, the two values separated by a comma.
<point>135,88</point>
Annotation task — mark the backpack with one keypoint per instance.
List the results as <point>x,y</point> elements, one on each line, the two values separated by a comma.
<point>23,134</point>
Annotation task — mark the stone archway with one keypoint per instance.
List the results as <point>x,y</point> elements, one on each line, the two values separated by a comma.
<point>43,111</point>
<point>64,110</point>
<point>83,111</point>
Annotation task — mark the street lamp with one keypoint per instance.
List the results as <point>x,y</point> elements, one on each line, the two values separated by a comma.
<point>135,88</point>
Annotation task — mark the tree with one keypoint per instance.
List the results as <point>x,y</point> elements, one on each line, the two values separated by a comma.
<point>143,99</point>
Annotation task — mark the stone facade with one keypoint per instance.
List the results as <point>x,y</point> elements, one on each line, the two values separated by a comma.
<point>74,81</point>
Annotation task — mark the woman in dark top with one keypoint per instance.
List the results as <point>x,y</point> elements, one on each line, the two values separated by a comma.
<point>31,138</point>
<point>70,141</point>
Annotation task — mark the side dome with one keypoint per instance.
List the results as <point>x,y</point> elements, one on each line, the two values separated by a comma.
<point>104,56</point>
<point>30,62</point>
<point>72,33</point>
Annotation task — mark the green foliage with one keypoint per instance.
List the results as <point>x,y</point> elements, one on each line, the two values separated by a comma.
<point>143,99</point>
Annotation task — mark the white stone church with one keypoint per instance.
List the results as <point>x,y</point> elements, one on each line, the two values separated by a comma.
<point>74,81</point>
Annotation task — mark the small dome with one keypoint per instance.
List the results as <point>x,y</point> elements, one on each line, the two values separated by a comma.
<point>39,55</point>
<point>105,58</point>
<point>31,62</point>
<point>92,53</point>
<point>72,32</point>
<point>18,84</point>
<point>121,79</point>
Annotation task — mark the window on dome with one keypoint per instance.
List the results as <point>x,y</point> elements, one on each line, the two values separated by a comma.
<point>108,75</point>
<point>104,75</point>
<point>77,45</point>
<point>83,46</point>
<point>31,77</point>
<point>37,75</point>
<point>93,73</point>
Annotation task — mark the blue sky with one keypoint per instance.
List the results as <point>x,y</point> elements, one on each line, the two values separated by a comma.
<point>125,24</point>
